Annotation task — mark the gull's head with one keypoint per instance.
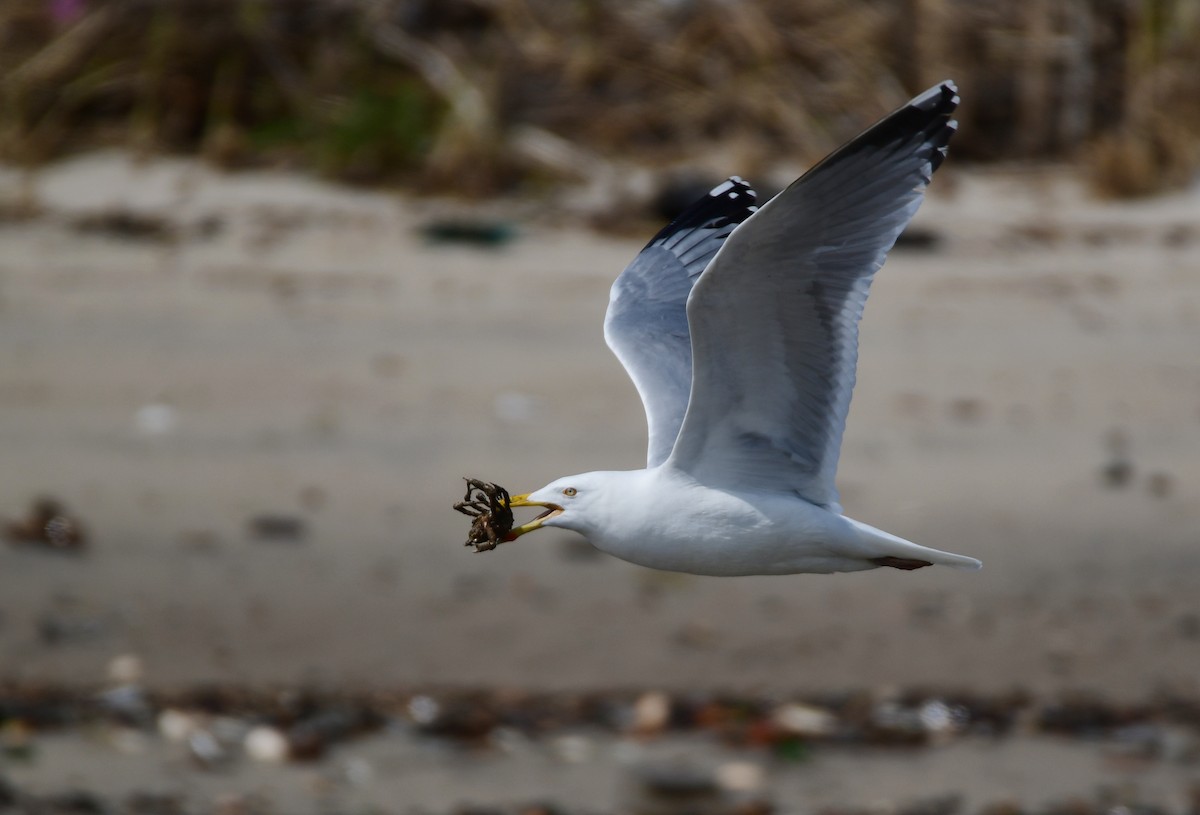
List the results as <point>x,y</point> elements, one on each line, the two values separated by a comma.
<point>575,502</point>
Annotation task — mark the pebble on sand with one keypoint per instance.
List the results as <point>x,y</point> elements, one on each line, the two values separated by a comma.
<point>266,744</point>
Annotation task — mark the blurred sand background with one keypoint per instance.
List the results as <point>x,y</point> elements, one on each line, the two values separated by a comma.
<point>195,347</point>
<point>297,350</point>
<point>315,358</point>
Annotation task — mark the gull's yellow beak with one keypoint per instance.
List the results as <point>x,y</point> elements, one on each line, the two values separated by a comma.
<point>536,523</point>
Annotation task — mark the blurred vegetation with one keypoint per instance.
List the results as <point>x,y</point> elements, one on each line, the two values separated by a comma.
<point>479,96</point>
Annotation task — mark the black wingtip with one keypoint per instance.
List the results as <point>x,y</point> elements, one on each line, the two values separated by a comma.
<point>928,112</point>
<point>730,202</point>
<point>926,117</point>
<point>941,99</point>
<point>923,123</point>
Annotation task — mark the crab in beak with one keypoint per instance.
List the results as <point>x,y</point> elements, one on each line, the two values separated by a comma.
<point>552,511</point>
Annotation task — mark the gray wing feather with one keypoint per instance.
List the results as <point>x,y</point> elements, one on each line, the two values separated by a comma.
<point>646,325</point>
<point>774,318</point>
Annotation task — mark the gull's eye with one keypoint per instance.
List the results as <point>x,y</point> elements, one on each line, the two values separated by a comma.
<point>570,492</point>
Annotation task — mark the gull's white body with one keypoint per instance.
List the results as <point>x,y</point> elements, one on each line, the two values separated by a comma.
<point>664,519</point>
<point>739,328</point>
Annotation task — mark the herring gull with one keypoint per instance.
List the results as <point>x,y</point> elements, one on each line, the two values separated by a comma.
<point>739,327</point>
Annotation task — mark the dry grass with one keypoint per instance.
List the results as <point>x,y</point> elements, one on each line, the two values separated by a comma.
<point>436,93</point>
<point>1154,146</point>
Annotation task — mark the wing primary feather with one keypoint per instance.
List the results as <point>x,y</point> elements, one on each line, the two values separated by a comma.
<point>774,317</point>
<point>646,325</point>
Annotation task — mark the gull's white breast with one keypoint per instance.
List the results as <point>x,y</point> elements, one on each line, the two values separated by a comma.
<point>664,519</point>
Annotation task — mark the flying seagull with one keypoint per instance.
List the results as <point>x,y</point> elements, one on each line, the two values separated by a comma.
<point>739,326</point>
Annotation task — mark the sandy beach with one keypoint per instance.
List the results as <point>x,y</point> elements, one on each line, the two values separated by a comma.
<point>259,400</point>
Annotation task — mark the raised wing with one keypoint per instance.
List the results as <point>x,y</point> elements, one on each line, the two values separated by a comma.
<point>774,318</point>
<point>647,326</point>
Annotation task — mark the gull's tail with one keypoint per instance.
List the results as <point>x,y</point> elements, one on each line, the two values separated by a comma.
<point>883,546</point>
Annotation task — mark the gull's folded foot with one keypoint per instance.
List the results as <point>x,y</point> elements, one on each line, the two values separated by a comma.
<point>905,563</point>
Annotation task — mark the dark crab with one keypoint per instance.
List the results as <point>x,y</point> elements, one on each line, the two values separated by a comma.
<point>489,505</point>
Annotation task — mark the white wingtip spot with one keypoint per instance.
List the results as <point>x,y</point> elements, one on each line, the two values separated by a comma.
<point>723,187</point>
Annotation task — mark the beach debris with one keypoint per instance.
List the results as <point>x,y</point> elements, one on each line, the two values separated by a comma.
<point>47,525</point>
<point>128,705</point>
<point>126,669</point>
<point>206,750</point>
<point>488,504</point>
<point>471,231</point>
<point>651,713</point>
<point>272,528</point>
<point>1087,716</point>
<point>741,776</point>
<point>220,725</point>
<point>967,409</point>
<point>126,224</point>
<point>1118,469</point>
<point>267,744</point>
<point>461,718</point>
<point>423,710</point>
<point>804,721</point>
<point>309,738</point>
<point>176,725</point>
